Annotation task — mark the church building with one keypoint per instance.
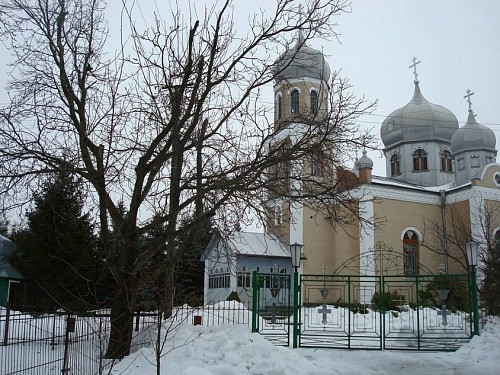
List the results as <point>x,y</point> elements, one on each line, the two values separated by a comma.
<point>441,189</point>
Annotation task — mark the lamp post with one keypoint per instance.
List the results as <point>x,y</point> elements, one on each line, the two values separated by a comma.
<point>472,247</point>
<point>296,253</point>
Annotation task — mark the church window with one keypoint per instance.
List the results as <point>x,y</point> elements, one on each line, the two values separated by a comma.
<point>419,160</point>
<point>474,161</point>
<point>395,165</point>
<point>410,253</point>
<point>489,159</point>
<point>461,164</point>
<point>278,213</point>
<point>294,102</point>
<point>278,106</point>
<point>446,161</point>
<point>314,102</point>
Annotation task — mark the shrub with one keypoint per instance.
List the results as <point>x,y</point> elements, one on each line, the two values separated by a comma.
<point>233,296</point>
<point>387,300</point>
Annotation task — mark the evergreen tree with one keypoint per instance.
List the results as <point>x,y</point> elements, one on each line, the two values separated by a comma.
<point>189,273</point>
<point>58,248</point>
<point>4,227</point>
<point>490,290</point>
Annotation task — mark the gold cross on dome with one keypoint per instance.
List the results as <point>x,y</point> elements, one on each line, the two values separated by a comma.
<point>414,66</point>
<point>468,95</point>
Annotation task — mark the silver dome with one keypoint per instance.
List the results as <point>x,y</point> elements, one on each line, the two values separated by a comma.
<point>301,61</point>
<point>473,137</point>
<point>418,121</point>
<point>364,162</point>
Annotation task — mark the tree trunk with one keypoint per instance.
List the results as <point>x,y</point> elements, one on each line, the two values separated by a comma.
<point>122,314</point>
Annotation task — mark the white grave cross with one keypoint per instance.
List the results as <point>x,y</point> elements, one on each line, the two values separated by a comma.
<point>324,311</point>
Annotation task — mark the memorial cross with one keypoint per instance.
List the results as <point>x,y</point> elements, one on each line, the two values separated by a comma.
<point>324,311</point>
<point>273,309</point>
<point>444,313</point>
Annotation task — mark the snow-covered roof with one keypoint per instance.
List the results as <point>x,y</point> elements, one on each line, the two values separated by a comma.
<point>249,244</point>
<point>258,244</point>
<point>394,183</point>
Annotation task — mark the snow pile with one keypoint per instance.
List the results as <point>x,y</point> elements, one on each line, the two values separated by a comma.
<point>232,349</point>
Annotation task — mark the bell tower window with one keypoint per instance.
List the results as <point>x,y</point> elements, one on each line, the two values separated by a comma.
<point>314,102</point>
<point>419,160</point>
<point>294,102</point>
<point>446,161</point>
<point>395,165</point>
<point>278,106</point>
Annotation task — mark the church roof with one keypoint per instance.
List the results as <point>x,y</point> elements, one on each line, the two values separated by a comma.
<point>418,121</point>
<point>250,244</point>
<point>258,244</point>
<point>473,137</point>
<point>301,61</point>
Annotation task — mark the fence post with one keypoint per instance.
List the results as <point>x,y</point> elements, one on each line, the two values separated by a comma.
<point>137,320</point>
<point>255,287</point>
<point>6,331</point>
<point>70,327</point>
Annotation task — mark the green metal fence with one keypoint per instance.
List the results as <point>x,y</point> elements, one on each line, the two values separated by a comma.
<point>271,310</point>
<point>428,312</point>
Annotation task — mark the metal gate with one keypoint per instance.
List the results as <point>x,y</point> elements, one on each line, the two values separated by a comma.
<point>428,312</point>
<point>271,310</point>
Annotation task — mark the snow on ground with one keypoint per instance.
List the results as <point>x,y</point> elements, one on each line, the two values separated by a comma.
<point>234,350</point>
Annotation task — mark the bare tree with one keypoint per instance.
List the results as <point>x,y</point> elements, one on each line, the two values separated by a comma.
<point>174,129</point>
<point>446,236</point>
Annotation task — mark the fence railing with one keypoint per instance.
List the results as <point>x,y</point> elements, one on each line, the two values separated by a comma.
<point>59,342</point>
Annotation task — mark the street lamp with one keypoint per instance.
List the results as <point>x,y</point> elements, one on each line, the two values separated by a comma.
<point>471,248</point>
<point>296,253</point>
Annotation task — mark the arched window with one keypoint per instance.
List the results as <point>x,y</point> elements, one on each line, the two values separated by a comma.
<point>446,161</point>
<point>278,106</point>
<point>294,102</point>
<point>314,102</point>
<point>410,253</point>
<point>419,160</point>
<point>395,166</point>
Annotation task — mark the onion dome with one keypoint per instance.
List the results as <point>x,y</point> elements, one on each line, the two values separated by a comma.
<point>418,121</point>
<point>473,137</point>
<point>364,162</point>
<point>301,61</point>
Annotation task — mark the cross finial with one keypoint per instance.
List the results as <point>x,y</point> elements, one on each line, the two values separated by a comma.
<point>414,66</point>
<point>468,95</point>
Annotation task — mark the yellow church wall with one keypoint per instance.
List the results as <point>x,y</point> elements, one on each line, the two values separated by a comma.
<point>327,244</point>
<point>399,216</point>
<point>458,229</point>
<point>487,179</point>
<point>317,242</point>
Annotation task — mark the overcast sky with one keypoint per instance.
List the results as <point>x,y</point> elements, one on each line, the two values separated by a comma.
<point>455,40</point>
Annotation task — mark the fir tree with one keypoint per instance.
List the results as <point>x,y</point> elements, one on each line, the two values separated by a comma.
<point>58,247</point>
<point>490,290</point>
<point>189,274</point>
